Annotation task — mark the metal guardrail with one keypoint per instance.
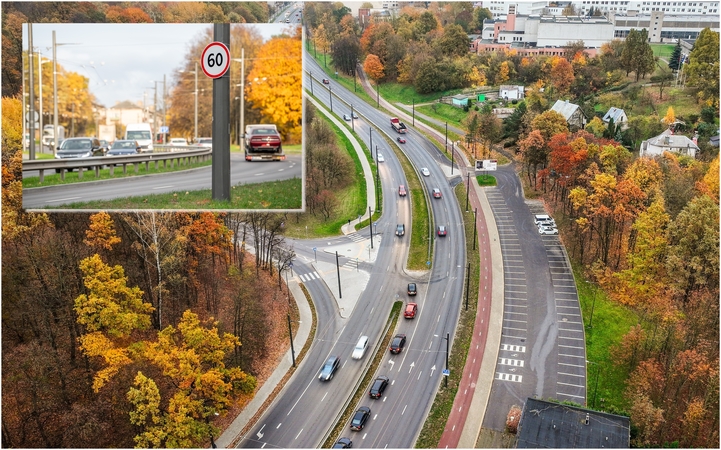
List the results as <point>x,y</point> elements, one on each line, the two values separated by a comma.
<point>168,154</point>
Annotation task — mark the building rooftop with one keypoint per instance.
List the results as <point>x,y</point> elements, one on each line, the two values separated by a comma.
<point>551,425</point>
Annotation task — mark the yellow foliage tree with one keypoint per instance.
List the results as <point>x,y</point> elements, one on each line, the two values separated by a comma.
<point>101,233</point>
<point>276,86</point>
<point>503,74</point>
<point>670,116</point>
<point>374,67</point>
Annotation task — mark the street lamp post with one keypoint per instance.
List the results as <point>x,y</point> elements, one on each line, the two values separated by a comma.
<point>475,224</point>
<point>290,330</point>
<point>337,266</point>
<point>330,91</point>
<point>448,340</point>
<point>468,187</point>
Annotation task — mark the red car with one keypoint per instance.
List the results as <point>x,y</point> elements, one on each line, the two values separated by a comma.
<point>402,190</point>
<point>326,81</point>
<point>401,140</point>
<point>437,193</point>
<point>442,231</point>
<point>411,310</point>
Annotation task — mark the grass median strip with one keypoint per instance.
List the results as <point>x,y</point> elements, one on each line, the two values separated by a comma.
<point>284,194</point>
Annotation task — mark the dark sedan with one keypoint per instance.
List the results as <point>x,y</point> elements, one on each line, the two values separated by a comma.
<point>81,147</point>
<point>124,147</point>
<point>360,418</point>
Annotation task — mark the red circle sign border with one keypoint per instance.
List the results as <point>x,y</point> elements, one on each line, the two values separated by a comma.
<point>202,59</point>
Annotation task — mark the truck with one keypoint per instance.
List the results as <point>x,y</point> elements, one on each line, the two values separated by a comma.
<point>141,132</point>
<point>48,139</point>
<point>263,143</point>
<point>106,132</point>
<point>398,125</point>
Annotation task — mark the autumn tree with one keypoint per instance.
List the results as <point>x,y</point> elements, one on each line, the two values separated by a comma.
<point>279,96</point>
<point>561,75</point>
<point>191,358</point>
<point>453,42</point>
<point>670,117</point>
<point>637,55</point>
<point>596,127</point>
<point>101,233</point>
<point>373,67</point>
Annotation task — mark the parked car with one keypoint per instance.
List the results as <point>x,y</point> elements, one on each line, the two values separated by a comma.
<point>412,289</point>
<point>326,81</point>
<point>425,172</point>
<point>346,117</point>
<point>547,230</point>
<point>360,418</point>
<point>178,142</point>
<point>402,191</point>
<point>329,368</point>
<point>400,229</point>
<point>381,158</point>
<point>437,193</point>
<point>378,386</point>
<point>401,140</point>
<point>343,442</point>
<point>397,344</point>
<point>124,147</point>
<point>411,310</point>
<point>80,147</point>
<point>547,223</point>
<point>205,142</point>
<point>360,348</point>
<point>441,230</point>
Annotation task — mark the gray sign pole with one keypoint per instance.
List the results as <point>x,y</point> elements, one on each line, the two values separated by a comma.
<point>221,123</point>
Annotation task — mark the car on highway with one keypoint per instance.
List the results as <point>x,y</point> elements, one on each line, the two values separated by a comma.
<point>178,142</point>
<point>441,230</point>
<point>329,368</point>
<point>397,344</point>
<point>402,191</point>
<point>346,117</point>
<point>326,81</point>
<point>411,310</point>
<point>425,172</point>
<point>400,229</point>
<point>355,116</point>
<point>378,386</point>
<point>79,147</point>
<point>401,140</point>
<point>380,158</point>
<point>343,442</point>
<point>547,230</point>
<point>205,142</point>
<point>360,348</point>
<point>360,418</point>
<point>412,289</point>
<point>124,147</point>
<point>437,193</point>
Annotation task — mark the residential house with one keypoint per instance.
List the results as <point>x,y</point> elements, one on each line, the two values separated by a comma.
<point>511,92</point>
<point>619,118</point>
<point>125,112</point>
<point>572,113</point>
<point>668,142</point>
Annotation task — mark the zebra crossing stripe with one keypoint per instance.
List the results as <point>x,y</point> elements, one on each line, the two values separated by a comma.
<point>508,377</point>
<point>309,276</point>
<point>512,362</point>
<point>513,348</point>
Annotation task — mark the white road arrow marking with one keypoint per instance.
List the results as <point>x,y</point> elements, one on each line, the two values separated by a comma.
<point>411,368</point>
<point>433,369</point>
<point>260,433</point>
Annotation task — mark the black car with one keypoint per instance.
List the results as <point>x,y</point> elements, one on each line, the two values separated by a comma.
<point>326,81</point>
<point>343,442</point>
<point>329,368</point>
<point>360,418</point>
<point>400,229</point>
<point>412,290</point>
<point>124,147</point>
<point>397,344</point>
<point>81,147</point>
<point>378,386</point>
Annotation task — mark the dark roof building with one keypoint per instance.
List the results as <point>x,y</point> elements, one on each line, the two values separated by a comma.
<point>553,425</point>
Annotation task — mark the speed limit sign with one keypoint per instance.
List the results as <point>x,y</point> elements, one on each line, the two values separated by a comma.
<point>215,59</point>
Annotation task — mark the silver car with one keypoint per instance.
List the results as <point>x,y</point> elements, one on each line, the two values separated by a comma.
<point>360,348</point>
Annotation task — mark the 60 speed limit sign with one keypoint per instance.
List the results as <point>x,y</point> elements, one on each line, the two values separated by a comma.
<point>215,59</point>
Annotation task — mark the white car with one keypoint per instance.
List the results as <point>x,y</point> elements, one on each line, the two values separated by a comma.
<point>346,117</point>
<point>360,348</point>
<point>205,142</point>
<point>178,141</point>
<point>381,158</point>
<point>425,172</point>
<point>547,230</point>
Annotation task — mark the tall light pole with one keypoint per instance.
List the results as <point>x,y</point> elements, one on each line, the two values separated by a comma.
<point>195,93</point>
<point>242,93</point>
<point>31,74</point>
<point>55,94</point>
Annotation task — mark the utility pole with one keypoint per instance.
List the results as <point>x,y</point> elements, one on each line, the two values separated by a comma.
<point>468,282</point>
<point>55,95</point>
<point>220,169</point>
<point>468,187</point>
<point>196,103</point>
<point>337,266</point>
<point>370,223</point>
<point>31,101</point>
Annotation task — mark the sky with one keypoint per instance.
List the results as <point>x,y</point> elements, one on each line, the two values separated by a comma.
<point>122,61</point>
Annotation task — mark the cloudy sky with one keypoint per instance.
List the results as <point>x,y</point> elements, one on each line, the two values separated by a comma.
<point>122,61</point>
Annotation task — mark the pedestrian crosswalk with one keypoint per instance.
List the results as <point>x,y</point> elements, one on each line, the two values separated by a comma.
<point>355,237</point>
<point>309,277</point>
<point>509,377</point>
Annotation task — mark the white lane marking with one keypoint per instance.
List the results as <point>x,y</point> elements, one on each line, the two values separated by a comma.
<point>62,199</point>
<point>163,187</point>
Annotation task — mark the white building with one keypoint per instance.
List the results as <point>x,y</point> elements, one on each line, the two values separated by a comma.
<point>645,7</point>
<point>667,142</point>
<point>125,112</point>
<point>511,92</point>
<point>663,27</point>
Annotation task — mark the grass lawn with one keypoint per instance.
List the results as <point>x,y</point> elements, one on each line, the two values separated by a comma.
<point>606,322</point>
<point>486,180</point>
<point>286,194</point>
<point>406,94</point>
<point>662,50</point>
<point>444,112</point>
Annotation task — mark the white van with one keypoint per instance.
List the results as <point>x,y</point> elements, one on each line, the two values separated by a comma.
<point>142,133</point>
<point>541,218</point>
